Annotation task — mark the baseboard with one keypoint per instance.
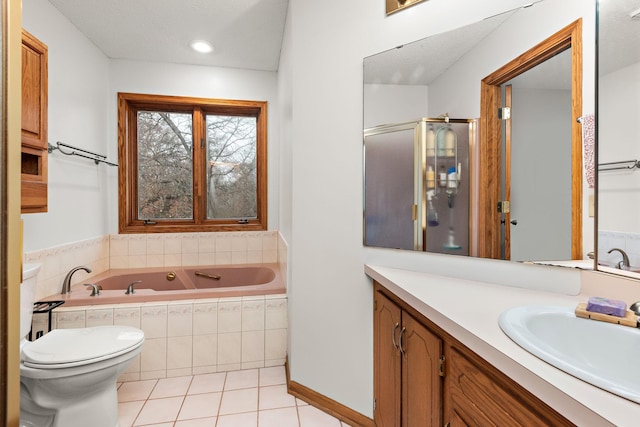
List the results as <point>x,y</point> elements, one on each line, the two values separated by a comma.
<point>326,404</point>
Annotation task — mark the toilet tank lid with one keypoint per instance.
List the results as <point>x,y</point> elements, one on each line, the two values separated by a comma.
<point>72,347</point>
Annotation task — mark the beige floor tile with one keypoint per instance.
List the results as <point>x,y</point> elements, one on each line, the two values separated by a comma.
<point>233,396</point>
<point>200,406</point>
<point>207,383</point>
<point>241,379</point>
<point>170,387</point>
<point>313,417</point>
<point>247,419</point>
<point>135,390</point>
<point>275,397</point>
<point>282,417</point>
<point>159,411</point>
<point>237,401</point>
<point>200,422</point>
<point>273,376</point>
<point>128,411</point>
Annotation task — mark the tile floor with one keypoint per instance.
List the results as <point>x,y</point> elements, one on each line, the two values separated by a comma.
<point>248,398</point>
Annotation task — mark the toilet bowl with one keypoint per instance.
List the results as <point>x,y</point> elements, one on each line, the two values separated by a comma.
<point>68,376</point>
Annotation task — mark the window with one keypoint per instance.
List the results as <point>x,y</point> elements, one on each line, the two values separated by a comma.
<point>191,164</point>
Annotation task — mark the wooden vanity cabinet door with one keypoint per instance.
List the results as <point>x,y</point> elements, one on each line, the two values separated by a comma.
<point>476,394</point>
<point>421,382</point>
<point>407,384</point>
<point>386,362</point>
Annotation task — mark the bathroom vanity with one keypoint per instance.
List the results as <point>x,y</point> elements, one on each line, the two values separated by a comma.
<point>447,362</point>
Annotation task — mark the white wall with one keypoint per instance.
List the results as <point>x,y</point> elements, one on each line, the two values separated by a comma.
<point>78,90</point>
<point>619,131</point>
<point>388,104</point>
<point>202,82</point>
<point>330,297</point>
<point>285,98</point>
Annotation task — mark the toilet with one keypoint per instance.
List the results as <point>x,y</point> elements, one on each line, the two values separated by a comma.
<point>68,376</point>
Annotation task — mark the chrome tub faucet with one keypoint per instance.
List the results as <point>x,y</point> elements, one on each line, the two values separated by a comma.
<point>624,262</point>
<point>66,283</point>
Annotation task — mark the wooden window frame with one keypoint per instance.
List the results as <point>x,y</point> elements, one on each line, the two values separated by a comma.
<point>128,105</point>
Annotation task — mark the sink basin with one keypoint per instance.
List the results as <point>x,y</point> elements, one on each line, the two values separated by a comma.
<point>602,354</point>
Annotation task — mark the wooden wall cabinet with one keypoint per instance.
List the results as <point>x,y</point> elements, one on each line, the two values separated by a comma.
<point>432,379</point>
<point>34,124</point>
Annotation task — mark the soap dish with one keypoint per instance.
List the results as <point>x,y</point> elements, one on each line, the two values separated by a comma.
<point>629,318</point>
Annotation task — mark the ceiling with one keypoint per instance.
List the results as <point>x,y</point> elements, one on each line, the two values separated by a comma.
<point>423,61</point>
<point>619,34</point>
<point>245,33</point>
<point>248,34</point>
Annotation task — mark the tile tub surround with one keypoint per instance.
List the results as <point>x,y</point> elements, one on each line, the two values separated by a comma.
<point>192,337</point>
<point>153,250</point>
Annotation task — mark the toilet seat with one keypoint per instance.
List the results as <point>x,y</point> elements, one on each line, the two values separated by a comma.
<point>65,348</point>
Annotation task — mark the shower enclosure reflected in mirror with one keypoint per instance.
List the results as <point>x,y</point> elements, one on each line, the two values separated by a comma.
<point>441,76</point>
<point>417,195</point>
<point>618,134</point>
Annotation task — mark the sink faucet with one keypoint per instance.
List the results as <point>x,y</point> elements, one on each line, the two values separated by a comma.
<point>625,258</point>
<point>66,283</point>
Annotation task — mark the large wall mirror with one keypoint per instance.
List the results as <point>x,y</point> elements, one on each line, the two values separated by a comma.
<point>472,143</point>
<point>619,136</point>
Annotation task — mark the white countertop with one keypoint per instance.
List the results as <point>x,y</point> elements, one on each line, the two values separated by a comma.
<point>469,311</point>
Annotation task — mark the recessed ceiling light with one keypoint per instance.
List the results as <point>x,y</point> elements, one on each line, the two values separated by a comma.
<point>201,46</point>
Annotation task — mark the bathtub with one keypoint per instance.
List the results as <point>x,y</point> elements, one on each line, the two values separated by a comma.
<point>179,283</point>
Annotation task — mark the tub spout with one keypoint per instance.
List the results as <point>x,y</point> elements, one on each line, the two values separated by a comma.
<point>130,288</point>
<point>66,283</point>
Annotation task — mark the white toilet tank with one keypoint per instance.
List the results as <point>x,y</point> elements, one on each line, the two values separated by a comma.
<point>27,296</point>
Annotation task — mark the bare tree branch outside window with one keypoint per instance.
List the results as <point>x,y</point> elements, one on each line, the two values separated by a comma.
<point>165,165</point>
<point>231,167</point>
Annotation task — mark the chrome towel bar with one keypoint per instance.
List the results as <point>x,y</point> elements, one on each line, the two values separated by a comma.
<point>97,158</point>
